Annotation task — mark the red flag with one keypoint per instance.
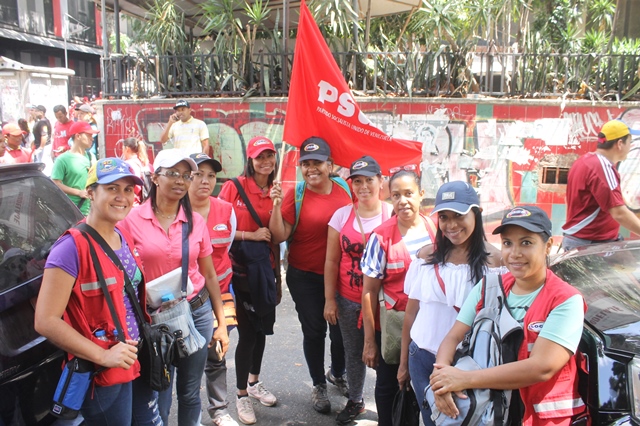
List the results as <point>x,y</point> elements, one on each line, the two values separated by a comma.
<point>321,104</point>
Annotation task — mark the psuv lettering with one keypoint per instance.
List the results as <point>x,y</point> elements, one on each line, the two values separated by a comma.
<point>346,104</point>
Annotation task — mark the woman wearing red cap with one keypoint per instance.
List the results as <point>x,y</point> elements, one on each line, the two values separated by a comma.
<point>256,181</point>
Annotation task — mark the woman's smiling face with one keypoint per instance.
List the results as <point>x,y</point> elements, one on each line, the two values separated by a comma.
<point>525,253</point>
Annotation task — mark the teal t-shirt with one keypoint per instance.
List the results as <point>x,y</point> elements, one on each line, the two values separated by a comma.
<point>72,170</point>
<point>563,325</point>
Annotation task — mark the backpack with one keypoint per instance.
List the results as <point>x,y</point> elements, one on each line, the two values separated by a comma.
<point>299,196</point>
<point>494,339</point>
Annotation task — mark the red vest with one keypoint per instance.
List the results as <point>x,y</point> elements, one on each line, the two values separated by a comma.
<point>219,226</point>
<point>557,397</point>
<point>87,309</point>
<point>351,249</point>
<point>398,261</point>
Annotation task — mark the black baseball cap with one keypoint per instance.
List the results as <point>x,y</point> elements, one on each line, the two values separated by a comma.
<point>182,103</point>
<point>364,166</point>
<point>315,148</point>
<point>204,158</point>
<point>531,218</point>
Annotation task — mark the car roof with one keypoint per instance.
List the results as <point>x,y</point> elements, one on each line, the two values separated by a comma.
<point>608,276</point>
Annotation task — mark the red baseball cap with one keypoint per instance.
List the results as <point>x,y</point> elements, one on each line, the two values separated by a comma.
<point>12,129</point>
<point>258,145</point>
<point>81,127</point>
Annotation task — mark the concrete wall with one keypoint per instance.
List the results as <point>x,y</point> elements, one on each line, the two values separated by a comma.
<point>506,149</point>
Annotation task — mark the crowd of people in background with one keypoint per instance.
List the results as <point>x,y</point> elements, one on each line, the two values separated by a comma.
<point>354,262</point>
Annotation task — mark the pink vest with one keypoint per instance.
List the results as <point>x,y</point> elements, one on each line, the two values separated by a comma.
<point>352,247</point>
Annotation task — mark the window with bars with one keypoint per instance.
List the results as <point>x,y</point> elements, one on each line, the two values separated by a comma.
<point>555,175</point>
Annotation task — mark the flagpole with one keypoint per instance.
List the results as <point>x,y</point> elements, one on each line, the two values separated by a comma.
<point>282,152</point>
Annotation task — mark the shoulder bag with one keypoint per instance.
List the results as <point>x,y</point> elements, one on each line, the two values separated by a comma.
<point>255,256</point>
<point>156,346</point>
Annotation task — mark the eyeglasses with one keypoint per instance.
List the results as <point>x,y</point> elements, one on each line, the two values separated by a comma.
<point>408,167</point>
<point>176,175</point>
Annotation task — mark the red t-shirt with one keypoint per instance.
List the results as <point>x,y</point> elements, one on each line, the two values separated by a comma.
<point>593,184</point>
<point>261,202</point>
<point>308,249</point>
<point>61,138</point>
<point>20,155</point>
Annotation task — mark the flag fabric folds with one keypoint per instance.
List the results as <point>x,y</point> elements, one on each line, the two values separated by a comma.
<point>321,104</point>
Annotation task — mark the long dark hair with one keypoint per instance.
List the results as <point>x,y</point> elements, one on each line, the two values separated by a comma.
<point>249,171</point>
<point>476,256</point>
<point>184,203</point>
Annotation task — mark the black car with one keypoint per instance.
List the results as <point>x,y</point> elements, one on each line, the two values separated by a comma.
<point>33,214</point>
<point>608,275</point>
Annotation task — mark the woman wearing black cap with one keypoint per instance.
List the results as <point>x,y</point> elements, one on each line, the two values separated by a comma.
<point>303,217</point>
<point>551,312</point>
<point>349,230</point>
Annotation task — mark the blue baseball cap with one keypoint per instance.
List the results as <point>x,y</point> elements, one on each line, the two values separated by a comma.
<point>531,218</point>
<point>457,196</point>
<point>108,170</point>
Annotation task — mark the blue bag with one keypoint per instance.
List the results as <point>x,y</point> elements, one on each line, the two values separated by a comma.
<point>72,388</point>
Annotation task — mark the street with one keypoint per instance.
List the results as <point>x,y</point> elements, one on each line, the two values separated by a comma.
<point>284,372</point>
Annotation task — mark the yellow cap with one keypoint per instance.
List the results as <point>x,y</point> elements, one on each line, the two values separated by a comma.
<point>614,130</point>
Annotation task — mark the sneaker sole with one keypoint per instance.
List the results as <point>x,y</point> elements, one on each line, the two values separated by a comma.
<point>323,410</point>
<point>351,419</point>
<point>264,403</point>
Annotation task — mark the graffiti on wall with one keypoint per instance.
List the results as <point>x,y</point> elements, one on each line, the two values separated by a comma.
<point>509,152</point>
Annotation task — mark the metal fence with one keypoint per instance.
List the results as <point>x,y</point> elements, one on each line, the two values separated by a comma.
<point>425,74</point>
<point>84,86</point>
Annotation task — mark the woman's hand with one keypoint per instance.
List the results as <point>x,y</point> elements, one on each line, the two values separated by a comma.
<point>331,311</point>
<point>262,234</point>
<point>122,355</point>
<point>370,354</point>
<point>446,405</point>
<point>404,380</point>
<point>276,193</point>
<point>221,335</point>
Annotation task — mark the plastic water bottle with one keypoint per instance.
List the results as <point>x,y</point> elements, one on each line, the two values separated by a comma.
<point>115,335</point>
<point>168,301</point>
<point>101,335</point>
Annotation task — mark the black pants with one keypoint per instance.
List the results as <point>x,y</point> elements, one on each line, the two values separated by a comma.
<point>386,386</point>
<point>307,291</point>
<point>251,343</point>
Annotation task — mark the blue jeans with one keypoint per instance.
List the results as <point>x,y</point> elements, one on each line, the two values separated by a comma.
<point>307,292</point>
<point>420,368</point>
<point>189,375</point>
<point>128,403</point>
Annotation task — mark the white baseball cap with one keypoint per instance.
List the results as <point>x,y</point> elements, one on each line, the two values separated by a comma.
<point>168,158</point>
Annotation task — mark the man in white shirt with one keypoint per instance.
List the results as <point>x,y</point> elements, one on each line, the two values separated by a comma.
<point>186,132</point>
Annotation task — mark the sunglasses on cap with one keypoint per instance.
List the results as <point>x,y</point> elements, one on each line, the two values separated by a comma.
<point>408,168</point>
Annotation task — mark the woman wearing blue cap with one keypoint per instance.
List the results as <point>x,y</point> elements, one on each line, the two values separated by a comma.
<point>551,313</point>
<point>438,284</point>
<point>87,330</point>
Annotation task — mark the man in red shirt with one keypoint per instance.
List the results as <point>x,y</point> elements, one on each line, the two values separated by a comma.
<point>595,207</point>
<point>13,136</point>
<point>61,131</point>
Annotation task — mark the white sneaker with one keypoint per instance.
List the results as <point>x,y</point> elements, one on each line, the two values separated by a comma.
<point>245,410</point>
<point>225,420</point>
<point>259,392</point>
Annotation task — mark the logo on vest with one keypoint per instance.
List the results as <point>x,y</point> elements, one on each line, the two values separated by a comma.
<point>220,227</point>
<point>311,147</point>
<point>360,165</point>
<point>536,326</point>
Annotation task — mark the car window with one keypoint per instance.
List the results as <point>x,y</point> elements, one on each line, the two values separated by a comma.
<point>32,217</point>
<point>610,284</point>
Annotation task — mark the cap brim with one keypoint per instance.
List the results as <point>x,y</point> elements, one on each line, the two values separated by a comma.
<point>459,208</point>
<point>523,224</point>
<point>112,178</point>
<point>634,132</point>
<point>188,160</point>
<point>318,157</point>
<point>217,167</point>
<point>363,173</point>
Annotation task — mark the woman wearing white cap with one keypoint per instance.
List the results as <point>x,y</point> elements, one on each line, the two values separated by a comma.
<point>438,284</point>
<point>156,226</point>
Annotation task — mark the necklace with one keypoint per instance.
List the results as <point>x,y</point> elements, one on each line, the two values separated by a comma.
<point>164,216</point>
<point>263,188</point>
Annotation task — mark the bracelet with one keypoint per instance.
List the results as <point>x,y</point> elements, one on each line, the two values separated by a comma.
<point>242,235</point>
